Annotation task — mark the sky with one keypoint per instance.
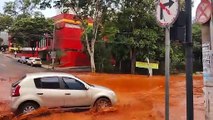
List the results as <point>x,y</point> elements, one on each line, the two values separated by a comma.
<point>47,13</point>
<point>51,12</point>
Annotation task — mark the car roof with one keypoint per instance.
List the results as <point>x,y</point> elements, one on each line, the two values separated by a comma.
<point>48,74</point>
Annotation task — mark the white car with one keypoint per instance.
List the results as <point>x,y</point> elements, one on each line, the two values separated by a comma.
<point>18,59</point>
<point>54,89</point>
<point>34,61</point>
<point>23,59</point>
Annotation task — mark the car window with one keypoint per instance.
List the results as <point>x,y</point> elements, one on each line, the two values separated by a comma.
<point>47,82</point>
<point>71,83</point>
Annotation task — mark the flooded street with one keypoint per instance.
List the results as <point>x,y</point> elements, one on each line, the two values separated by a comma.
<point>139,98</point>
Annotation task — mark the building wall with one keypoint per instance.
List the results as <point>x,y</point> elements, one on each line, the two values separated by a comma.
<point>69,38</point>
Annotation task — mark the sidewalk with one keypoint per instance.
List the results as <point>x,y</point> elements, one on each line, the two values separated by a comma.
<point>70,69</point>
<point>49,67</point>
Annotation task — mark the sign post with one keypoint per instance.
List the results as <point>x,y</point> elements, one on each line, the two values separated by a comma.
<point>167,71</point>
<point>166,15</point>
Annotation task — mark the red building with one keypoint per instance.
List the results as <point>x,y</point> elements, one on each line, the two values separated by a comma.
<point>68,40</point>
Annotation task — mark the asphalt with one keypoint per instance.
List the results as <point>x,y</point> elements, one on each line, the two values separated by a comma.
<point>49,67</point>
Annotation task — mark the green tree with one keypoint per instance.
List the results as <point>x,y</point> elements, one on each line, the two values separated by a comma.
<point>103,57</point>
<point>84,10</point>
<point>59,54</point>
<point>10,8</point>
<point>197,47</point>
<point>30,30</point>
<point>138,29</point>
<point>20,7</point>
<point>6,21</point>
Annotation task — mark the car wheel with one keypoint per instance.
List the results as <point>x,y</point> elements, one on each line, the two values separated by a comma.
<point>102,103</point>
<point>28,107</point>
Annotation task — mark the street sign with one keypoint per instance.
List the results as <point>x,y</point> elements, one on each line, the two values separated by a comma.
<point>147,65</point>
<point>167,12</point>
<point>203,13</point>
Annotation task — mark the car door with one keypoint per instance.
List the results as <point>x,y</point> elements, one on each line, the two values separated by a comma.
<point>76,93</point>
<point>49,91</point>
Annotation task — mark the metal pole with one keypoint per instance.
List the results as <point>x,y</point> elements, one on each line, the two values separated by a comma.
<point>189,62</point>
<point>167,71</point>
<point>53,47</point>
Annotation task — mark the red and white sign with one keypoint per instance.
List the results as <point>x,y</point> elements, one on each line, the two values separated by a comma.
<point>203,13</point>
<point>167,12</point>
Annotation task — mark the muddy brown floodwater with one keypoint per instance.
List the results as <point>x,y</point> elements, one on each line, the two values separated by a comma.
<point>139,98</point>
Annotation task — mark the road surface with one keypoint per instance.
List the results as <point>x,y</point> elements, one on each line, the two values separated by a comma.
<point>10,68</point>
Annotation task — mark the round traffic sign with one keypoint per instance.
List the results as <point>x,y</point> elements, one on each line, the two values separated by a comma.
<point>167,12</point>
<point>203,13</point>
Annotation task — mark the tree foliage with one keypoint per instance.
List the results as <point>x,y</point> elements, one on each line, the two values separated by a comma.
<point>196,35</point>
<point>5,21</point>
<point>197,47</point>
<point>138,30</point>
<point>20,7</point>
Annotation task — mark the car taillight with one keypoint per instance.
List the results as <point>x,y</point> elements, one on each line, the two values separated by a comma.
<point>15,91</point>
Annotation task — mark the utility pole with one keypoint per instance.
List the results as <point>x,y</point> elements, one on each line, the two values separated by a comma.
<point>189,61</point>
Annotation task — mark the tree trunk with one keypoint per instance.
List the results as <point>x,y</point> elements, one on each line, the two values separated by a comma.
<point>119,65</point>
<point>33,51</point>
<point>133,60</point>
<point>92,62</point>
<point>91,51</point>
